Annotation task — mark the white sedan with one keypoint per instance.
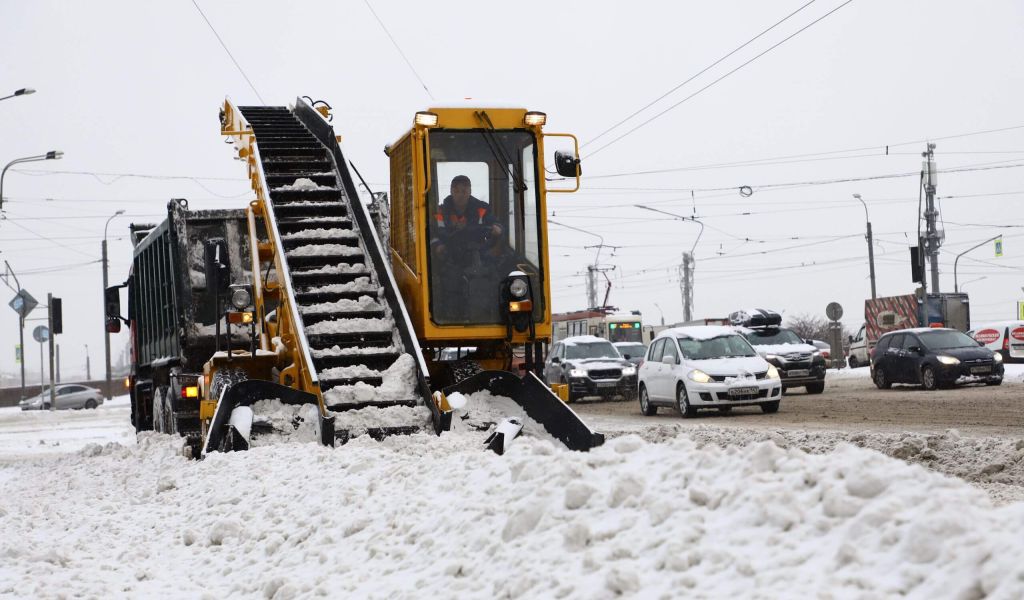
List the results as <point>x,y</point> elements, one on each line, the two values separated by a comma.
<point>689,368</point>
<point>70,395</point>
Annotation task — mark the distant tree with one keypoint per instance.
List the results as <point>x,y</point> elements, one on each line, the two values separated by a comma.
<point>808,326</point>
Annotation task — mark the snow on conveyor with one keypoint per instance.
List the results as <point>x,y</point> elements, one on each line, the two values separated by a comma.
<point>628,519</point>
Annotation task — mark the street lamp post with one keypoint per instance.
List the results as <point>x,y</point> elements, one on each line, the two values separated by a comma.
<point>106,334</point>
<point>871,246</point>
<point>21,92</point>
<point>51,155</point>
<point>88,371</point>
<point>956,288</point>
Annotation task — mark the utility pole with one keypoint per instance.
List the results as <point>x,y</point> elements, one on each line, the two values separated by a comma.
<point>49,325</point>
<point>871,246</point>
<point>88,371</point>
<point>686,285</point>
<point>933,236</point>
<point>58,363</point>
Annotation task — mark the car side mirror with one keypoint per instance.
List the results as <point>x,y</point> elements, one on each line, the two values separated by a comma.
<point>668,360</point>
<point>567,164</point>
<point>850,338</point>
<point>625,356</point>
<point>915,349</point>
<point>555,360</point>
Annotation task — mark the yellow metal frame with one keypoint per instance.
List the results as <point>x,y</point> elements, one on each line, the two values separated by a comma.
<point>412,279</point>
<point>296,367</point>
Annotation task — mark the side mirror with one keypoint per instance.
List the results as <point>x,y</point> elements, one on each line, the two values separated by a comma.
<point>850,338</point>
<point>112,308</point>
<point>567,164</point>
<point>625,356</point>
<point>914,349</point>
<point>555,360</point>
<point>668,360</point>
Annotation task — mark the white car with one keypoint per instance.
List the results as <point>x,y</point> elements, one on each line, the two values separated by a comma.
<point>1004,337</point>
<point>68,396</point>
<point>689,368</point>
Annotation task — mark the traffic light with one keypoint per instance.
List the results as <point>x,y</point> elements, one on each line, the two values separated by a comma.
<point>56,315</point>
<point>915,265</point>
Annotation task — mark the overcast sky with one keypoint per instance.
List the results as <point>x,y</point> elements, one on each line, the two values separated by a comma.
<point>130,92</point>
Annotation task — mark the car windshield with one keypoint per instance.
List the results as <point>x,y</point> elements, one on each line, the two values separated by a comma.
<point>938,340</point>
<point>633,350</point>
<point>765,337</point>
<point>590,350</point>
<point>725,346</point>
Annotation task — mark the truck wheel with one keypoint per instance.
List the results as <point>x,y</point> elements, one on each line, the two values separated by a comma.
<point>853,362</point>
<point>646,408</point>
<point>683,403</point>
<point>928,379</point>
<point>816,388</point>
<point>881,380</point>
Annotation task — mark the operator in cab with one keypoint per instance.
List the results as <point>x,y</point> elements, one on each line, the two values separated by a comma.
<point>465,242</point>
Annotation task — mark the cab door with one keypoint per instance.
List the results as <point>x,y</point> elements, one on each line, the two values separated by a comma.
<point>887,358</point>
<point>667,376</point>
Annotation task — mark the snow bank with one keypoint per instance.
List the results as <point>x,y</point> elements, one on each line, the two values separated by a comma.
<point>399,384</point>
<point>424,516</point>
<point>289,422</point>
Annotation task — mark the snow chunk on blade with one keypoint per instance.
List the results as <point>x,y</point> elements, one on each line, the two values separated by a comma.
<point>320,234</point>
<point>351,325</point>
<point>325,250</point>
<point>303,183</point>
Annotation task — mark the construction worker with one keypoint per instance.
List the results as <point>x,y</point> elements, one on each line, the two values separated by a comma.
<point>462,219</point>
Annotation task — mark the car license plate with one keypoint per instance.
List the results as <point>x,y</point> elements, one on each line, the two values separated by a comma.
<point>798,373</point>
<point>981,369</point>
<point>743,391</point>
<point>606,384</point>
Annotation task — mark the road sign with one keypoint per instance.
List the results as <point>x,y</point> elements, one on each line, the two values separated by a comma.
<point>999,247</point>
<point>23,303</point>
<point>17,353</point>
<point>834,311</point>
<point>41,333</point>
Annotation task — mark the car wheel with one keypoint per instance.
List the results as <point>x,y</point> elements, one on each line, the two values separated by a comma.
<point>928,379</point>
<point>90,403</point>
<point>683,403</point>
<point>853,362</point>
<point>770,407</point>
<point>646,408</point>
<point>881,380</point>
<point>725,409</point>
<point>816,388</point>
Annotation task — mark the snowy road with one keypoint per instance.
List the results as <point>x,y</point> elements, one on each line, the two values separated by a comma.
<point>657,515</point>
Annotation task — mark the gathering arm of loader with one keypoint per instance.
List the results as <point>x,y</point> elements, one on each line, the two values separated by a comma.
<point>539,402</point>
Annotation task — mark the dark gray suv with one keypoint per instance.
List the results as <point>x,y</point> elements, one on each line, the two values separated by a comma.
<point>591,366</point>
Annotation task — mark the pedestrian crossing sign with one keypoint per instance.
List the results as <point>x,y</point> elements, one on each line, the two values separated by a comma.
<point>999,247</point>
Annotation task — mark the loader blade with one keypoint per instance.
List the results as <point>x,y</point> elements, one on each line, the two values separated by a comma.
<point>539,402</point>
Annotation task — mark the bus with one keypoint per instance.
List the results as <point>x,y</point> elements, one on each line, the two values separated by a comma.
<point>614,327</point>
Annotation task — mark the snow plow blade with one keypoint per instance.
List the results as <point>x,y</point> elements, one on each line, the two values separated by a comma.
<point>538,401</point>
<point>225,436</point>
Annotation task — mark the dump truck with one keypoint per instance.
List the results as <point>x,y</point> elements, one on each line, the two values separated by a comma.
<point>349,329</point>
<point>882,315</point>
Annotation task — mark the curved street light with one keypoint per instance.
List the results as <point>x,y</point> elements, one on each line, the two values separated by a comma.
<point>51,155</point>
<point>871,248</point>
<point>21,92</point>
<point>971,281</point>
<point>957,261</point>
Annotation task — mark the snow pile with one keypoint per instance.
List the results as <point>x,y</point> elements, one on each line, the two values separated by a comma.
<point>357,421</point>
<point>360,284</point>
<point>325,250</point>
<point>348,372</point>
<point>363,304</point>
<point>303,184</point>
<point>351,351</point>
<point>425,516</point>
<point>399,384</point>
<point>482,410</point>
<point>350,326</point>
<point>337,269</point>
<point>288,422</point>
<point>320,234</point>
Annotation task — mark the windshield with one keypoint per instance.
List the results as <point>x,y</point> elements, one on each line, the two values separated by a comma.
<point>725,346</point>
<point>625,332</point>
<point>633,350</point>
<point>591,350</point>
<point>766,337</point>
<point>938,340</point>
<point>483,223</point>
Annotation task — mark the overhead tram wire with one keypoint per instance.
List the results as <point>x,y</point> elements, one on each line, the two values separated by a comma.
<point>397,47</point>
<point>784,40</point>
<point>696,75</point>
<point>231,56</point>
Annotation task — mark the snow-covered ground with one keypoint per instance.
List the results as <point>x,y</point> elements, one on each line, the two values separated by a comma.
<point>1014,373</point>
<point>421,516</point>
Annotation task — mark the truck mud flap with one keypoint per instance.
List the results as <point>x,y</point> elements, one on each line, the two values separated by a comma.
<point>539,402</point>
<point>223,436</point>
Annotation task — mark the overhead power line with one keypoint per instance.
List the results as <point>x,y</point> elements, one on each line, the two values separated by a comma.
<point>397,47</point>
<point>231,56</point>
<point>696,75</point>
<point>770,48</point>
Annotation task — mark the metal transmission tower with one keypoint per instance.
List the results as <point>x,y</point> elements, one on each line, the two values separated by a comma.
<point>686,285</point>
<point>933,235</point>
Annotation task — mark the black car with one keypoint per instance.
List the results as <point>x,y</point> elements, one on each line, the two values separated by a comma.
<point>591,366</point>
<point>800,364</point>
<point>933,358</point>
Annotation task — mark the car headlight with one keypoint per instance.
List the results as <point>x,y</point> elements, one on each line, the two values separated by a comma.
<point>773,373</point>
<point>518,288</point>
<point>577,373</point>
<point>698,376</point>
<point>949,360</point>
<point>997,356</point>
<point>816,353</point>
<point>629,371</point>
